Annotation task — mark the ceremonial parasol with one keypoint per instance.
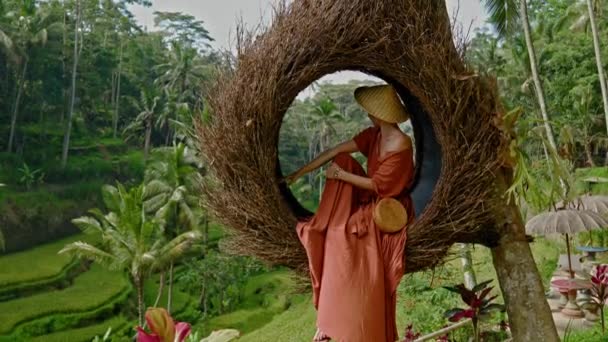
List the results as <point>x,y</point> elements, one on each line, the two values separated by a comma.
<point>595,203</point>
<point>567,221</point>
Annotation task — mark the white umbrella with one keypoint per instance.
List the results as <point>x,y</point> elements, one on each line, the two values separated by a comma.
<point>568,221</point>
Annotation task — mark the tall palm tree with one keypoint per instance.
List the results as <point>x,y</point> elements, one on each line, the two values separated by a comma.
<point>503,14</point>
<point>586,19</point>
<point>31,31</point>
<point>172,182</point>
<point>148,110</point>
<point>131,241</point>
<point>323,116</point>
<point>183,73</point>
<point>512,258</point>
<point>76,56</point>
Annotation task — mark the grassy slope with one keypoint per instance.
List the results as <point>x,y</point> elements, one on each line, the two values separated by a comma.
<point>90,290</point>
<point>418,302</point>
<point>84,334</point>
<point>265,296</point>
<point>25,267</point>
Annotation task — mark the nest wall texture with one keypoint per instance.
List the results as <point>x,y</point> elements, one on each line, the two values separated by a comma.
<point>406,42</point>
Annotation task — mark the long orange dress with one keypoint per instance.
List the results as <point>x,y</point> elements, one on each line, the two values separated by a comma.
<point>354,267</point>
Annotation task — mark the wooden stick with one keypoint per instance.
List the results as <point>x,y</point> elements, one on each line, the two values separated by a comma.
<point>443,331</point>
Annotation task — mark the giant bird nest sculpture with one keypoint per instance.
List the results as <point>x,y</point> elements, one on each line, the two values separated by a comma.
<point>409,44</point>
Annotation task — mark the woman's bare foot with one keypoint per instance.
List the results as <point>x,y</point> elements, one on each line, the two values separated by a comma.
<point>320,336</point>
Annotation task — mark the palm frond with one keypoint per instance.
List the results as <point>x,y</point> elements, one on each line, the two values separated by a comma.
<point>177,247</point>
<point>88,224</point>
<point>503,15</point>
<point>7,45</point>
<point>110,197</point>
<point>41,37</point>
<point>88,251</point>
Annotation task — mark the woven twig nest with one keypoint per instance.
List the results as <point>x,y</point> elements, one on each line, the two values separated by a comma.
<point>408,44</point>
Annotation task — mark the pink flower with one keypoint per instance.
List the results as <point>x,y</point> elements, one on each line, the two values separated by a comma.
<point>164,329</point>
<point>601,275</point>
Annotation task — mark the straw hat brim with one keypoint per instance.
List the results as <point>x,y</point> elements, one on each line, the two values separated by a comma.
<point>382,102</point>
<point>390,215</point>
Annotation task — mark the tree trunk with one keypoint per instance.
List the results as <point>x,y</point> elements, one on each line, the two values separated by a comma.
<point>139,285</point>
<point>63,68</point>
<point>117,96</point>
<point>202,298</point>
<point>68,130</point>
<point>11,137</point>
<point>147,138</point>
<point>161,287</point>
<point>588,154</point>
<point>467,266</point>
<point>529,313</point>
<point>170,290</point>
<point>537,83</point>
<point>206,235</point>
<point>598,59</point>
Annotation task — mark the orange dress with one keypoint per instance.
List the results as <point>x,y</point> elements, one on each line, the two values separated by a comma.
<point>354,267</point>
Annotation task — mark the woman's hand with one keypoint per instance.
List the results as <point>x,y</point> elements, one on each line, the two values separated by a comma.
<point>333,171</point>
<point>290,179</point>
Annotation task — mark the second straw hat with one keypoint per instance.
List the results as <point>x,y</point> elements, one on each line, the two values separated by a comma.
<point>382,102</point>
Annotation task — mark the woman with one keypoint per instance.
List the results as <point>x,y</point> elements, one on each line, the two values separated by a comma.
<point>354,266</point>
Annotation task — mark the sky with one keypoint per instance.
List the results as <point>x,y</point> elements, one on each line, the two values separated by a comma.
<point>221,16</point>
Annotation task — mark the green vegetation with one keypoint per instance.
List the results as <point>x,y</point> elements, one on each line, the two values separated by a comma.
<point>24,270</point>
<point>263,297</point>
<point>84,334</point>
<point>89,291</point>
<point>90,98</point>
<point>146,249</point>
<point>416,294</point>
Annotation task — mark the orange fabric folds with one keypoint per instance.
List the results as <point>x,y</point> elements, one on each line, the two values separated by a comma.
<point>354,267</point>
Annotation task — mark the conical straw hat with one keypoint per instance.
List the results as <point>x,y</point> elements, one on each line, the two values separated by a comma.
<point>382,102</point>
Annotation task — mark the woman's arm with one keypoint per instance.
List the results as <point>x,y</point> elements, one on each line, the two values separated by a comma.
<point>335,172</point>
<point>347,146</point>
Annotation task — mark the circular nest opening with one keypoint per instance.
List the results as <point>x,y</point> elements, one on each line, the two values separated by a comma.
<point>407,43</point>
<point>427,155</point>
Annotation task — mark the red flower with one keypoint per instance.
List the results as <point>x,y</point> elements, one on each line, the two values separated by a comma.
<point>163,328</point>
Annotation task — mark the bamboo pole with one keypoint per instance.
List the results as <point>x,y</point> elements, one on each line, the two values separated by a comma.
<point>443,331</point>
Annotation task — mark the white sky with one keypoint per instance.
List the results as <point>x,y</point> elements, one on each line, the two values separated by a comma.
<point>220,18</point>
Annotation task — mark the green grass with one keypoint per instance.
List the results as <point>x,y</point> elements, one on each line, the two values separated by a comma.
<point>37,266</point>
<point>86,333</point>
<point>90,290</point>
<point>295,324</point>
<point>264,296</point>
<point>601,188</point>
<point>182,305</point>
<point>419,302</point>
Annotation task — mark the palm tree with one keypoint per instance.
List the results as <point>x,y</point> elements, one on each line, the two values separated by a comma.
<point>148,110</point>
<point>323,117</point>
<point>31,31</point>
<point>131,241</point>
<point>183,73</point>
<point>76,56</point>
<point>503,15</point>
<point>586,19</point>
<point>512,258</point>
<point>172,182</point>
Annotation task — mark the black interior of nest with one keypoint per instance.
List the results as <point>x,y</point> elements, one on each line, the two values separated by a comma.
<point>428,156</point>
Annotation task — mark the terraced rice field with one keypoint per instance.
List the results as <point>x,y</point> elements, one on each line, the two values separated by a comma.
<point>45,294</point>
